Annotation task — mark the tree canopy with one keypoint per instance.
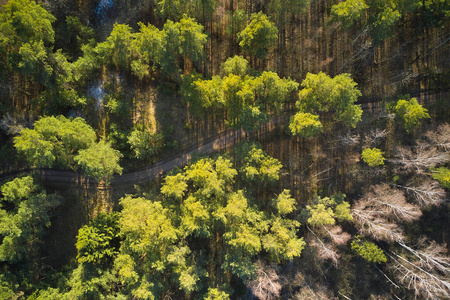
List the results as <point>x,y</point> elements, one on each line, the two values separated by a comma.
<point>258,36</point>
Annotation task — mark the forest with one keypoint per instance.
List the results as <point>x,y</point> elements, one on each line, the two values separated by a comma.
<point>224,149</point>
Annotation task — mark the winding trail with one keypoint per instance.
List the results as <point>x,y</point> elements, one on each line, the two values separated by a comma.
<point>227,139</point>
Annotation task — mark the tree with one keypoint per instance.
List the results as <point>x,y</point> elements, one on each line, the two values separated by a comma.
<point>349,12</point>
<point>99,161</point>
<point>305,125</point>
<point>379,211</point>
<point>258,36</point>
<point>236,65</point>
<point>382,24</point>
<point>266,286</point>
<point>424,270</point>
<point>368,250</point>
<point>145,144</point>
<point>373,157</point>
<point>98,241</point>
<point>259,167</point>
<point>410,113</point>
<point>419,158</point>
<point>321,93</point>
<point>322,216</point>
<point>24,215</point>
<point>54,140</point>
<point>27,31</point>
<point>247,100</point>
<point>442,175</point>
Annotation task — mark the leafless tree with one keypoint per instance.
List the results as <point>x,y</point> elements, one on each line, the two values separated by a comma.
<point>440,137</point>
<point>429,192</point>
<point>326,250</point>
<point>425,271</point>
<point>266,286</point>
<point>376,214</point>
<point>419,158</point>
<point>348,139</point>
<point>374,136</point>
<point>337,235</point>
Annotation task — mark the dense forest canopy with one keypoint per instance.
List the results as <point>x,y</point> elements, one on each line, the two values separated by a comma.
<point>221,149</point>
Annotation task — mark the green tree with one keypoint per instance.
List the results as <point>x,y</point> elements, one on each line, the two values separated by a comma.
<point>410,113</point>
<point>24,215</point>
<point>305,125</point>
<point>442,175</point>
<point>145,144</point>
<point>382,24</point>
<point>373,157</point>
<point>98,241</point>
<point>54,140</point>
<point>369,251</point>
<point>26,32</point>
<point>258,36</point>
<point>236,65</point>
<point>349,12</point>
<point>99,161</point>
<point>259,167</point>
<point>321,93</point>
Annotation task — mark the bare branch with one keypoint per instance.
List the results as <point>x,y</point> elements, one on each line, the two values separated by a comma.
<point>428,193</point>
<point>378,211</point>
<point>422,158</point>
<point>266,286</point>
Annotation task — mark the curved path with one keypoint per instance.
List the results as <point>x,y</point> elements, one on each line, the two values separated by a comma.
<point>225,140</point>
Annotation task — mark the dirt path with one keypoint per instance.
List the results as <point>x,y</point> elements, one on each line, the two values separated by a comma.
<point>226,140</point>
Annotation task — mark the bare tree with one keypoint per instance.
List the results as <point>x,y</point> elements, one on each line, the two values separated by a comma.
<point>425,271</point>
<point>377,213</point>
<point>374,136</point>
<point>325,251</point>
<point>440,137</point>
<point>429,192</point>
<point>266,286</point>
<point>419,158</point>
<point>325,240</point>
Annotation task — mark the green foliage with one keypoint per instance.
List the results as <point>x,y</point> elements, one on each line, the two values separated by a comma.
<point>216,294</point>
<point>192,38</point>
<point>237,22</point>
<point>258,36</point>
<point>148,231</point>
<point>284,203</point>
<point>37,151</point>
<point>260,168</point>
<point>383,23</point>
<point>54,139</point>
<point>369,251</point>
<point>325,211</point>
<point>24,214</point>
<point>24,21</point>
<point>248,100</point>
<point>26,27</point>
<point>321,93</point>
<point>349,12</point>
<point>118,48</point>
<point>236,65</point>
<point>281,242</point>
<point>98,241</point>
<point>145,144</point>
<point>99,161</point>
<point>34,62</point>
<point>410,113</point>
<point>373,157</point>
<point>305,125</point>
<point>443,176</point>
